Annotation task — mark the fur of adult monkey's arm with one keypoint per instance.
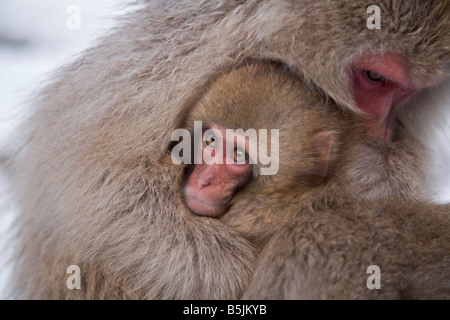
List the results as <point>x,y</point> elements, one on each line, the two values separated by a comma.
<point>325,254</point>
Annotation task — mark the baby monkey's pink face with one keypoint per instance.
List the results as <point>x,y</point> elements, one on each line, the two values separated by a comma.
<point>224,169</point>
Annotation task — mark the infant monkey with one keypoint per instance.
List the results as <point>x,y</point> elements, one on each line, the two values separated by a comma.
<point>337,204</point>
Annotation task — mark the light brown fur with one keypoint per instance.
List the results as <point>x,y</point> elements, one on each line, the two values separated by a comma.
<point>323,250</point>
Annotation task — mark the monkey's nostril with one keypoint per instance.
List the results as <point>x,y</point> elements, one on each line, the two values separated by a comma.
<point>203,183</point>
<point>205,180</point>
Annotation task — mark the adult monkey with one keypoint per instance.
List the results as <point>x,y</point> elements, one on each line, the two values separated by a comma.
<point>95,185</point>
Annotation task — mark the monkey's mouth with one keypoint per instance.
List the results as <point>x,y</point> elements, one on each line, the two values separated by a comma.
<point>387,125</point>
<point>382,130</point>
<point>206,208</point>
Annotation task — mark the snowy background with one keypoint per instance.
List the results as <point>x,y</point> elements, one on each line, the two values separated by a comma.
<point>34,40</point>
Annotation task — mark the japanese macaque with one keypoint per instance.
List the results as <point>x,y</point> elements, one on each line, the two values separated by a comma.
<point>318,225</point>
<point>95,183</point>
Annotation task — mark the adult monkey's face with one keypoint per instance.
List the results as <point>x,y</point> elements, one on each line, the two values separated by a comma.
<point>380,84</point>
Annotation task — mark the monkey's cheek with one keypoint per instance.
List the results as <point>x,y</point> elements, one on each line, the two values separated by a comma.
<point>206,208</point>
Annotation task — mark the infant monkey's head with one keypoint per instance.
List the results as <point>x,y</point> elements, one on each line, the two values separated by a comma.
<point>262,130</point>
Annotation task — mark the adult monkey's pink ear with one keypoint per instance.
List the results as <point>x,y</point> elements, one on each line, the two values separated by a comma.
<point>322,143</point>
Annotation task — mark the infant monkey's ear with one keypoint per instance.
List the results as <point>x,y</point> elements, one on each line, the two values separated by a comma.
<point>321,144</point>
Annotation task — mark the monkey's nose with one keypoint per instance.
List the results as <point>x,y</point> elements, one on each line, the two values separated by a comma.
<point>203,183</point>
<point>205,178</point>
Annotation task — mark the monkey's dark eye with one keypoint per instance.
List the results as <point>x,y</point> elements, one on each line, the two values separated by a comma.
<point>373,76</point>
<point>239,155</point>
<point>210,140</point>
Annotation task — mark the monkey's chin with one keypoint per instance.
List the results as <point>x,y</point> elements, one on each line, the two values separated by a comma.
<point>205,208</point>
